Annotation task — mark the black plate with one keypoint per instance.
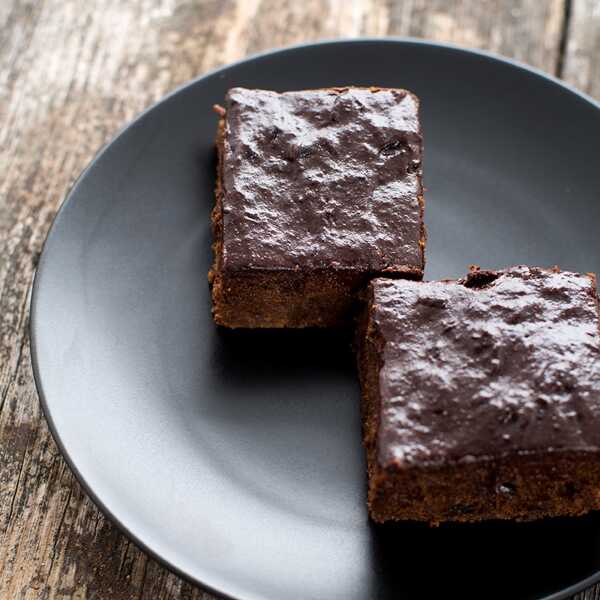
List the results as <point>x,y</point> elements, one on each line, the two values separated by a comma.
<point>235,457</point>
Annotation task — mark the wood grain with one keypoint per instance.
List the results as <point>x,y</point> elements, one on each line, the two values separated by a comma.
<point>582,55</point>
<point>71,74</point>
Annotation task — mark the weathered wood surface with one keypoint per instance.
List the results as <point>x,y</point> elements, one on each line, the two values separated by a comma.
<point>582,55</point>
<point>71,74</point>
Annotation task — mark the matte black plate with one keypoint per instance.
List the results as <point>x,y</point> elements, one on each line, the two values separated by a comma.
<point>235,457</point>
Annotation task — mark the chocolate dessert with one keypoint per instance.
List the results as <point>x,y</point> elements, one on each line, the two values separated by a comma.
<point>318,192</point>
<point>481,397</point>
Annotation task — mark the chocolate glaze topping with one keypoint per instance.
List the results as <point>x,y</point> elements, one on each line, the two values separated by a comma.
<point>322,179</point>
<point>499,363</point>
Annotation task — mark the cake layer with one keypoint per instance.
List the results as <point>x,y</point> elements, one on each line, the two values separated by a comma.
<point>483,394</point>
<point>316,185</point>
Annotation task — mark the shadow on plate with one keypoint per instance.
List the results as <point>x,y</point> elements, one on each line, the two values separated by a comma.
<point>254,354</point>
<point>493,560</point>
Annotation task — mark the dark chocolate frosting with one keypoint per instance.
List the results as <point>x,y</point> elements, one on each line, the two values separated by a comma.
<point>499,363</point>
<point>322,179</point>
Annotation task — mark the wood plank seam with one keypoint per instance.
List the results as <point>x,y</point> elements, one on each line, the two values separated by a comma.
<point>564,38</point>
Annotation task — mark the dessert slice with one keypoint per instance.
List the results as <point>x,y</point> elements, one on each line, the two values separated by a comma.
<point>318,191</point>
<point>481,397</point>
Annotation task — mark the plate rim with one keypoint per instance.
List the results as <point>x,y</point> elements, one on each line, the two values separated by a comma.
<point>33,331</point>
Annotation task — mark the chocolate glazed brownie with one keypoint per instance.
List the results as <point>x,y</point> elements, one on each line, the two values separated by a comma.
<point>318,191</point>
<point>481,397</point>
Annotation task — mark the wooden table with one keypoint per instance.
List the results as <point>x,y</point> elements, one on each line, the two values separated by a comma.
<point>71,74</point>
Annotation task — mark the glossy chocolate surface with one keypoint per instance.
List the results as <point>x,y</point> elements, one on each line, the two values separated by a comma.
<point>498,363</point>
<point>322,179</point>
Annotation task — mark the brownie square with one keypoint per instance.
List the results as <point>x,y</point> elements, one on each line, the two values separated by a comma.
<point>481,397</point>
<point>318,191</point>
